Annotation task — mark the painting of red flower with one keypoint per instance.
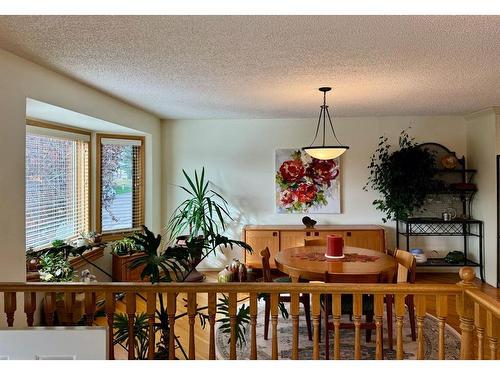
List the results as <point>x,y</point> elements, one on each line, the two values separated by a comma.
<point>305,184</point>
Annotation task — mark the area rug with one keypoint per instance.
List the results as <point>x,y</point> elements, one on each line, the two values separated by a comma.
<point>285,331</point>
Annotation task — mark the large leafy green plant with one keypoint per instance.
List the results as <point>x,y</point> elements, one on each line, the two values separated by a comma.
<point>203,213</point>
<point>203,218</point>
<point>402,177</point>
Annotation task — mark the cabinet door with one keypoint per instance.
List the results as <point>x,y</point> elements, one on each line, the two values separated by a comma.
<point>296,238</point>
<point>291,238</point>
<point>368,239</point>
<point>259,240</point>
<point>334,233</point>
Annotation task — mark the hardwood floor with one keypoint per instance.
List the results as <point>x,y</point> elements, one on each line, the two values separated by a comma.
<point>202,335</point>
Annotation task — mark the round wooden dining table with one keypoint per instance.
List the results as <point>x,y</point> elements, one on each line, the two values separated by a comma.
<point>310,263</point>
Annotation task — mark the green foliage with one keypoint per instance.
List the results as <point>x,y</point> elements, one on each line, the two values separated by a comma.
<point>159,266</point>
<point>242,320</point>
<point>203,213</point>
<point>55,268</point>
<point>125,246</point>
<point>403,177</point>
<point>120,335</point>
<point>58,243</point>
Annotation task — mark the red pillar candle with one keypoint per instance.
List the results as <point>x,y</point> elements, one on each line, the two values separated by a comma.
<point>335,246</point>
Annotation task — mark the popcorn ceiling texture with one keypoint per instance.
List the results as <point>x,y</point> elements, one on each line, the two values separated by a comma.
<point>270,66</point>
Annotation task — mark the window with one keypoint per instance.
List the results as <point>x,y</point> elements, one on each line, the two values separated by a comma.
<point>121,183</point>
<point>57,184</point>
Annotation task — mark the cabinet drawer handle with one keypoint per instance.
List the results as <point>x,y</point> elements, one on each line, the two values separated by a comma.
<point>316,234</point>
<point>348,234</point>
<point>275,234</point>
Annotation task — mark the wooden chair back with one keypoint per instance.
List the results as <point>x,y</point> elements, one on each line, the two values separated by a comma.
<point>363,278</point>
<point>407,266</point>
<point>266,268</point>
<point>314,242</point>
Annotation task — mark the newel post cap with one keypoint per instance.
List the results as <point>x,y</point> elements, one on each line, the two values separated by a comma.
<point>467,275</point>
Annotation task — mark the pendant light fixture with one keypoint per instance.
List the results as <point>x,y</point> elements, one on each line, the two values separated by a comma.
<point>325,152</point>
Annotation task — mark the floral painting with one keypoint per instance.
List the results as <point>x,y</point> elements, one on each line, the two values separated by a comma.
<point>305,184</point>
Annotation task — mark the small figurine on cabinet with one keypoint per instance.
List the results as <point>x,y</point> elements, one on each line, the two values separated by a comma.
<point>308,222</point>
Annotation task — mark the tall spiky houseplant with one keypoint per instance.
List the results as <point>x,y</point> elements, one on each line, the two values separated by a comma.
<point>204,215</point>
<point>200,219</point>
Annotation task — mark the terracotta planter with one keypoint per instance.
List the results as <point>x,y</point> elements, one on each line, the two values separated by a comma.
<point>122,271</point>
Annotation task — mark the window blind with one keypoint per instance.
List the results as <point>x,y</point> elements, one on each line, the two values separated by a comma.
<point>122,184</point>
<point>57,187</point>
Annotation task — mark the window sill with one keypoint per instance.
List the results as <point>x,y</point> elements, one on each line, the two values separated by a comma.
<point>118,235</point>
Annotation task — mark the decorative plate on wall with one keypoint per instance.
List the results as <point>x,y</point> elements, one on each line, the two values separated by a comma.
<point>449,161</point>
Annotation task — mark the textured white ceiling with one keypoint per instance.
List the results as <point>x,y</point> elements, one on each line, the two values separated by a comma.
<point>271,66</point>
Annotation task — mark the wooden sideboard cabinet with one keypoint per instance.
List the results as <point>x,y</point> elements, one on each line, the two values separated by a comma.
<point>281,237</point>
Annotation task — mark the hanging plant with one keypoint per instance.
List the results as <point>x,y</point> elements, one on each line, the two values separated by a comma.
<point>402,177</point>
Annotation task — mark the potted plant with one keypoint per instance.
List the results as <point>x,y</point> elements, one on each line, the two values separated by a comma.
<point>123,252</point>
<point>167,265</point>
<point>88,238</point>
<point>198,221</point>
<point>403,177</point>
<point>201,218</point>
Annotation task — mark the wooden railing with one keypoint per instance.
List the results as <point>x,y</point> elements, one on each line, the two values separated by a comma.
<point>479,314</point>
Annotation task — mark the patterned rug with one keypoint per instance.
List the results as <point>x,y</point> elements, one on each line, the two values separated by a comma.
<point>285,330</point>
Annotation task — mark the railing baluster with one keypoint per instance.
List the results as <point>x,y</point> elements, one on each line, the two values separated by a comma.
<point>493,333</point>
<point>480,324</point>
<point>336,314</point>
<point>233,300</point>
<point>253,325</point>
<point>420,302</point>
<point>90,308</point>
<point>69,303</point>
<point>30,307</point>
<point>110,315</point>
<point>151,311</point>
<point>274,324</point>
<point>49,305</point>
<point>316,312</point>
<point>399,307</point>
<point>357,310</point>
<point>171,310</point>
<point>379,311</point>
<point>10,306</point>
<point>442,313</point>
<point>131,308</point>
<point>191,310</point>
<point>294,312</point>
<point>212,310</point>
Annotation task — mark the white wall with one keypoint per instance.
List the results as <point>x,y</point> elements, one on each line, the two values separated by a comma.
<point>20,79</point>
<point>481,155</point>
<point>239,160</point>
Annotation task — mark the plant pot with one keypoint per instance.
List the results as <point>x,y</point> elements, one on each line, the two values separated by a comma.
<point>121,268</point>
<point>194,275</point>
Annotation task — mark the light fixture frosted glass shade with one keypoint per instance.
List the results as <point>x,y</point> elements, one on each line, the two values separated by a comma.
<point>326,152</point>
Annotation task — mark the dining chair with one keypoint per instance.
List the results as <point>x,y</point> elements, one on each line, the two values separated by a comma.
<point>406,274</point>
<point>314,242</point>
<point>346,302</point>
<point>304,298</point>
